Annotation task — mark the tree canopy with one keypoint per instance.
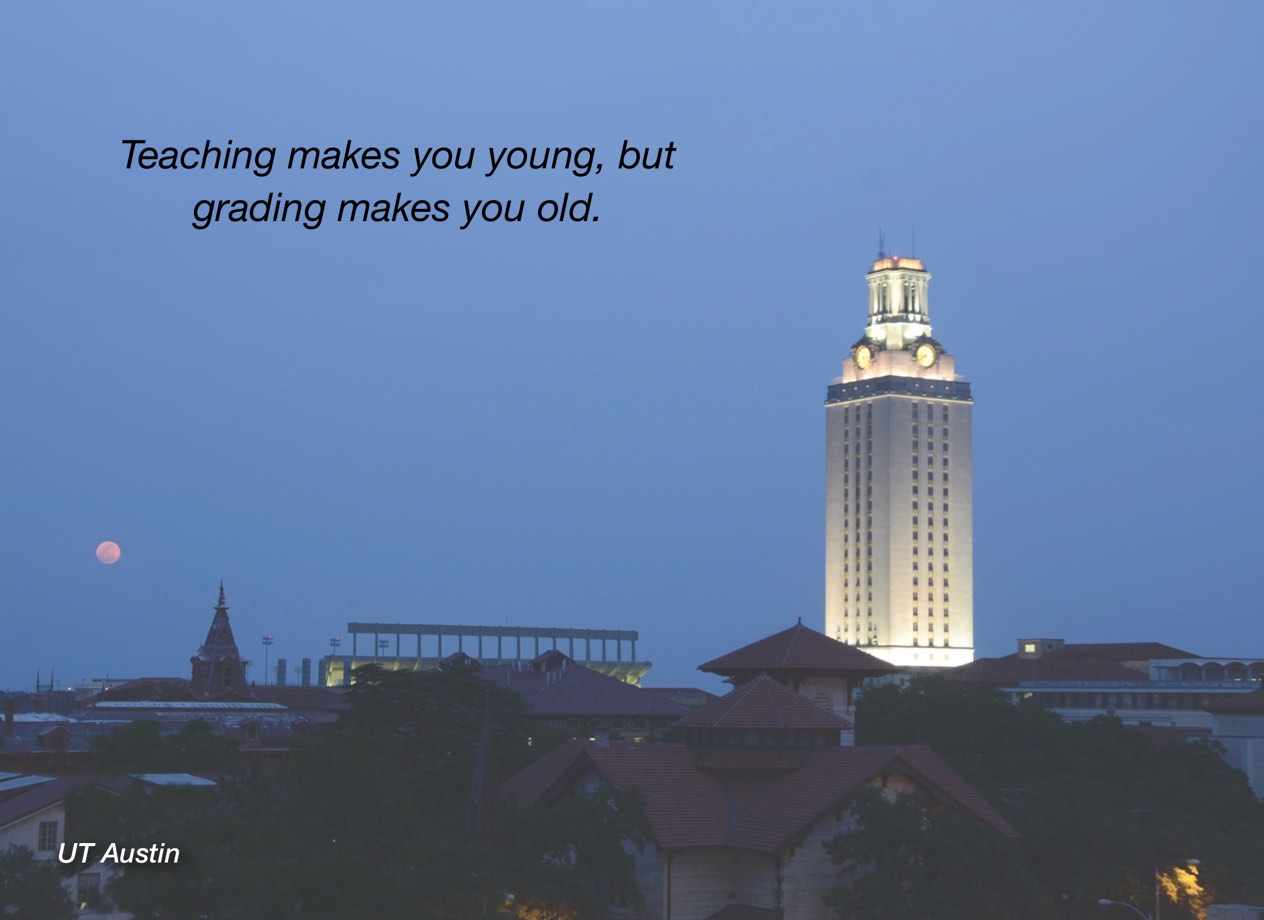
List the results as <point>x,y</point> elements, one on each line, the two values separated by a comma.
<point>369,823</point>
<point>1099,806</point>
<point>30,889</point>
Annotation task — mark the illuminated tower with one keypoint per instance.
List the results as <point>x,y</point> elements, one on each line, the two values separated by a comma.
<point>898,503</point>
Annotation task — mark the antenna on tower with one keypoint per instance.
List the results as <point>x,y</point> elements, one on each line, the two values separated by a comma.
<point>882,244</point>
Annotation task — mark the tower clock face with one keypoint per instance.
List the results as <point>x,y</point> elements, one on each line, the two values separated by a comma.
<point>926,355</point>
<point>863,356</point>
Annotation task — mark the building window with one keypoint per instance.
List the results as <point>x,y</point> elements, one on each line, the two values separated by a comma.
<point>88,891</point>
<point>47,836</point>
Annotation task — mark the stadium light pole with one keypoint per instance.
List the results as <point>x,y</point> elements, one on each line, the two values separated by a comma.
<point>267,644</point>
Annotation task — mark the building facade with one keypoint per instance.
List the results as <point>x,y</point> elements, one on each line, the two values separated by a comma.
<point>898,500</point>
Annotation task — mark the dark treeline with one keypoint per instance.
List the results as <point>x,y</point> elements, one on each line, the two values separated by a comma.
<point>1099,807</point>
<point>369,823</point>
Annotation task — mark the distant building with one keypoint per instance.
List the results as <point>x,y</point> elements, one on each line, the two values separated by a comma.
<point>218,666</point>
<point>567,696</point>
<point>823,670</point>
<point>421,646</point>
<point>1237,723</point>
<point>899,577</point>
<point>1145,684</point>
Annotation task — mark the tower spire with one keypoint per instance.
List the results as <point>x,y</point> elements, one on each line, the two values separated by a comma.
<point>218,666</point>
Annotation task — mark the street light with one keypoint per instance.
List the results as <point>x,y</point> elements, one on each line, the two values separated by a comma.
<point>333,650</point>
<point>1157,876</point>
<point>267,644</point>
<point>1103,902</point>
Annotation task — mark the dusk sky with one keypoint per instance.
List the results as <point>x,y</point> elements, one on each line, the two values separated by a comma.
<point>618,424</point>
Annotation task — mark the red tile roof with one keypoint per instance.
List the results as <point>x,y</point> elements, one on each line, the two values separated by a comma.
<point>690,806</point>
<point>574,690</point>
<point>1012,669</point>
<point>798,649</point>
<point>763,703</point>
<point>1095,661</point>
<point>1121,651</point>
<point>15,806</point>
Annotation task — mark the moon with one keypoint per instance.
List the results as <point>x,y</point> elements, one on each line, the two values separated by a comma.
<point>109,553</point>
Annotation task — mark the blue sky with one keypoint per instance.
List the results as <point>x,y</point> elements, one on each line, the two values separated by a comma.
<point>619,424</point>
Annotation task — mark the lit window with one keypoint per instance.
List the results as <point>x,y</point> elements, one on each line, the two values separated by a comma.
<point>47,836</point>
<point>88,891</point>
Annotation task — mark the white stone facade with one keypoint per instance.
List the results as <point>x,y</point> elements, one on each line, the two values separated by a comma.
<point>899,578</point>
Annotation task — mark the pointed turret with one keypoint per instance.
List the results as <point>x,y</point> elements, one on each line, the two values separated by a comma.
<point>218,666</point>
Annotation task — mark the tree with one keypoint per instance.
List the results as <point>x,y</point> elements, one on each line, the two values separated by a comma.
<point>906,860</point>
<point>1099,805</point>
<point>140,747</point>
<point>30,889</point>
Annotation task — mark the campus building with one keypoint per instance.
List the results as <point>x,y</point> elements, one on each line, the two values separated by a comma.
<point>898,499</point>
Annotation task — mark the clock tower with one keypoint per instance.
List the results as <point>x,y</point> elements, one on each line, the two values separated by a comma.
<point>898,502</point>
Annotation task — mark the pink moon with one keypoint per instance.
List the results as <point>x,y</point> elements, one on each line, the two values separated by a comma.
<point>108,552</point>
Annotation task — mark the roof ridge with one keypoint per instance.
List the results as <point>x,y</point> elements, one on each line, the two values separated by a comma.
<point>794,635</point>
<point>772,701</point>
